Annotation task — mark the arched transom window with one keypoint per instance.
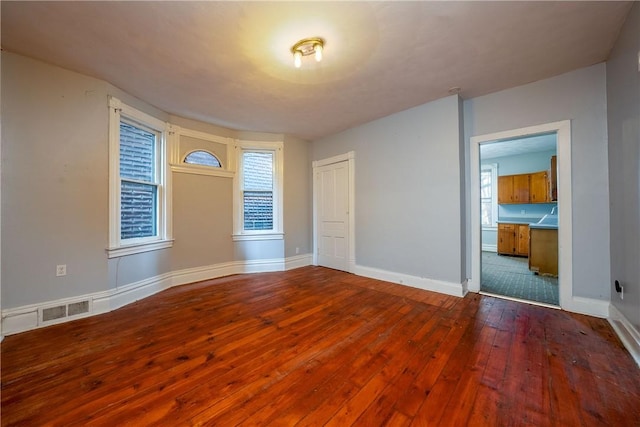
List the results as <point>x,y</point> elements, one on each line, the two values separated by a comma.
<point>202,158</point>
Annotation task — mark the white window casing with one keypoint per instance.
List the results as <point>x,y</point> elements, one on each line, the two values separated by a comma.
<point>122,113</point>
<point>239,231</point>
<point>493,167</point>
<point>227,163</point>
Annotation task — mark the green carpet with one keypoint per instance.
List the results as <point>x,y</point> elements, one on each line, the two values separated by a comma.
<point>510,276</point>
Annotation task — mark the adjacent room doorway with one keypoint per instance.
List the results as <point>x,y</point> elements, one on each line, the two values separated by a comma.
<point>563,131</point>
<point>518,194</point>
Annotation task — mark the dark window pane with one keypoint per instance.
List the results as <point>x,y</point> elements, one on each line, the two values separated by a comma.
<point>257,171</point>
<point>137,210</point>
<point>137,153</point>
<point>202,158</point>
<point>258,210</point>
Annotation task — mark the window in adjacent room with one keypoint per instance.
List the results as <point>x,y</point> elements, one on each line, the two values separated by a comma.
<point>489,195</point>
<point>138,182</point>
<point>258,195</point>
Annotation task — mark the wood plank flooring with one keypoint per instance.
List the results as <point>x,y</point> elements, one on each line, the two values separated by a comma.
<point>315,347</point>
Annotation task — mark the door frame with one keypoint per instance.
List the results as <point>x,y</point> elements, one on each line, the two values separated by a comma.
<point>351,247</point>
<point>565,249</point>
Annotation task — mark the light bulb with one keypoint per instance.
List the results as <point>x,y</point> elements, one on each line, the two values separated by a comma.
<point>297,58</point>
<point>318,50</point>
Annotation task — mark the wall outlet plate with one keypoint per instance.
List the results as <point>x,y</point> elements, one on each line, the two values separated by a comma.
<point>61,270</point>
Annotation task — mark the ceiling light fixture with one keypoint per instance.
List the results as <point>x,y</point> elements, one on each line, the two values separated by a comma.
<point>305,47</point>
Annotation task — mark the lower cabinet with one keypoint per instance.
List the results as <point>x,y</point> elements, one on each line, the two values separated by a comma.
<point>544,251</point>
<point>513,239</point>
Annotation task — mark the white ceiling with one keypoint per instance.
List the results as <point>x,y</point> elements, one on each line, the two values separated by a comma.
<point>228,63</point>
<point>520,146</point>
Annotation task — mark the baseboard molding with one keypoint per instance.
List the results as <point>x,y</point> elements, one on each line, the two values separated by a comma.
<point>25,318</point>
<point>490,248</point>
<point>629,335</point>
<point>588,306</point>
<point>298,261</point>
<point>449,288</point>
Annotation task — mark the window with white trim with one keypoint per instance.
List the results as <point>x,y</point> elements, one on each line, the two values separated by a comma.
<point>138,181</point>
<point>489,194</point>
<point>258,191</point>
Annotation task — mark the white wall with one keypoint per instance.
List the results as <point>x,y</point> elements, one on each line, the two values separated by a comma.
<point>579,96</point>
<point>407,184</point>
<point>623,97</point>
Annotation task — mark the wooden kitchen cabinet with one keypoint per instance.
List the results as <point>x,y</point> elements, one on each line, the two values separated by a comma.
<point>521,188</point>
<point>513,239</point>
<point>513,188</point>
<point>539,187</point>
<point>506,239</point>
<point>553,179</point>
<point>505,189</point>
<point>543,257</point>
<point>526,188</point>
<point>522,240</point>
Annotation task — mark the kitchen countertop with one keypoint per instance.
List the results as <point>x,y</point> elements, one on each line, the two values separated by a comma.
<point>532,222</point>
<point>518,220</point>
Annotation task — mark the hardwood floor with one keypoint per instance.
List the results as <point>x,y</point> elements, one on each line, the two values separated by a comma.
<point>313,347</point>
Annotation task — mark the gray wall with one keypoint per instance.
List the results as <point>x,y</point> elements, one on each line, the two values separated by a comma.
<point>623,98</point>
<point>55,192</point>
<point>297,196</point>
<point>579,96</point>
<point>203,220</point>
<point>407,184</point>
<point>54,182</point>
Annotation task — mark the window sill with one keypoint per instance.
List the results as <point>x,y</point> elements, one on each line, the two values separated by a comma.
<point>139,248</point>
<point>261,236</point>
<point>202,170</point>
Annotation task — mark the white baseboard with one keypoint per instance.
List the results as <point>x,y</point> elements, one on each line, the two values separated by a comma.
<point>25,318</point>
<point>588,306</point>
<point>298,261</point>
<point>629,335</point>
<point>489,248</point>
<point>449,288</point>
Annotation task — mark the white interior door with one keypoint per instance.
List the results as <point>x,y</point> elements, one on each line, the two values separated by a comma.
<point>332,215</point>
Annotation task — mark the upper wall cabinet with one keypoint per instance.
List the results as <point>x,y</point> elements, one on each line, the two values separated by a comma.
<point>553,179</point>
<point>537,187</point>
<point>513,189</point>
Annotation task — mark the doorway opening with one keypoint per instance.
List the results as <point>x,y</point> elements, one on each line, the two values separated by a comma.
<point>519,238</point>
<point>521,214</point>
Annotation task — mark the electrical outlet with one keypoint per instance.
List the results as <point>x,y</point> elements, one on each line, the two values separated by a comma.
<point>61,270</point>
<point>297,251</point>
<point>523,212</point>
<point>619,288</point>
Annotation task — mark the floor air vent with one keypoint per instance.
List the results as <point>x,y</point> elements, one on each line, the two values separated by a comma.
<point>57,313</point>
<point>78,308</point>
<point>53,313</point>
